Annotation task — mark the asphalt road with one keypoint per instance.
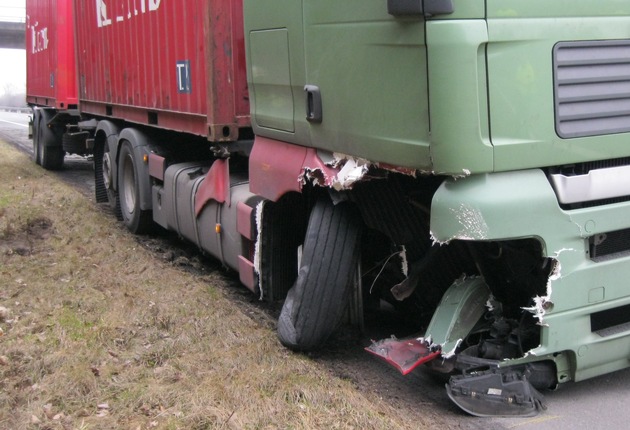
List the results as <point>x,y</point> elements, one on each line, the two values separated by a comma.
<point>77,170</point>
<point>597,403</point>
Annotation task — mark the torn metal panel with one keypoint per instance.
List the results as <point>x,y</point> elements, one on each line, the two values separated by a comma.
<point>402,170</point>
<point>404,354</point>
<point>405,288</point>
<point>461,307</point>
<point>342,171</point>
<point>492,304</point>
<point>473,225</point>
<point>353,171</point>
<point>544,303</point>
<point>465,173</point>
<point>404,264</point>
<point>314,170</point>
<point>257,253</point>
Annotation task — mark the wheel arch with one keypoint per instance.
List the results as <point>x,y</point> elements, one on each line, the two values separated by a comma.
<point>141,146</point>
<point>107,134</point>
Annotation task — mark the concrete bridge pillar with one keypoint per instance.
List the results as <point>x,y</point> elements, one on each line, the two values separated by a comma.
<point>12,35</point>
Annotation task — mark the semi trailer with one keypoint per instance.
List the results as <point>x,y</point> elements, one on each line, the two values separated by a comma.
<point>464,161</point>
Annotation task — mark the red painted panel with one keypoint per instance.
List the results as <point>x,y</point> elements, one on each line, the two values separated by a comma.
<point>50,61</point>
<point>247,274</point>
<point>215,186</point>
<point>276,168</point>
<point>244,222</point>
<point>157,166</point>
<point>173,64</point>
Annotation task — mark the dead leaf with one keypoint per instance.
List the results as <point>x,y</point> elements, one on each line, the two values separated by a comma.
<point>4,314</point>
<point>48,411</point>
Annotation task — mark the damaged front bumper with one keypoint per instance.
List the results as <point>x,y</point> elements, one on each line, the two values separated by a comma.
<point>482,388</point>
<point>479,386</point>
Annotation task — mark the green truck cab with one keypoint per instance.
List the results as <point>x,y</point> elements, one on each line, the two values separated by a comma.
<point>477,154</point>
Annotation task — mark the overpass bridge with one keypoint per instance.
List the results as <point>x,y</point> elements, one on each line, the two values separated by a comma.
<point>12,34</point>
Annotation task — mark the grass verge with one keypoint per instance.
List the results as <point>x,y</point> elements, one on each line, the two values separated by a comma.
<point>99,334</point>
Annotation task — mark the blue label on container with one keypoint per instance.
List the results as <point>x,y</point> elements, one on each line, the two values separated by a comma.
<point>183,77</point>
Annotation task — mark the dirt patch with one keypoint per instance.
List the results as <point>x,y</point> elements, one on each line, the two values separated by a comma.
<point>25,239</point>
<point>419,397</point>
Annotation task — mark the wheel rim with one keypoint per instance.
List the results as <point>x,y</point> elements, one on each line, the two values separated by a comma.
<point>129,189</point>
<point>107,171</point>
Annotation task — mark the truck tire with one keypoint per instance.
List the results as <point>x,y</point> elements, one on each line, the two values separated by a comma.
<point>36,125</point>
<point>137,220</point>
<point>317,301</point>
<point>49,147</point>
<point>105,179</point>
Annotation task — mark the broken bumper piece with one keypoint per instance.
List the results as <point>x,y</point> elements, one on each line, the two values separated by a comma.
<point>495,393</point>
<point>404,354</point>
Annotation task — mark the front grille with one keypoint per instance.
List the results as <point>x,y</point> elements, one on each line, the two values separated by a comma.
<point>611,321</point>
<point>583,169</point>
<point>614,244</point>
<point>592,87</point>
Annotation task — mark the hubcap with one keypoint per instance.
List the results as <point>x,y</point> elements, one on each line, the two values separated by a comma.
<point>107,171</point>
<point>129,190</point>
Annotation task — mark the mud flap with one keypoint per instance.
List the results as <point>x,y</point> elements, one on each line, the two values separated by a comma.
<point>404,354</point>
<point>495,393</point>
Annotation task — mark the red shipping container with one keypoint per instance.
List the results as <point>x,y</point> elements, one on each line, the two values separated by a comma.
<point>51,64</point>
<point>174,64</point>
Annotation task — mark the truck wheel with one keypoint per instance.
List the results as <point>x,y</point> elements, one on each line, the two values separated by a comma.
<point>138,221</point>
<point>317,301</point>
<point>108,183</point>
<point>36,125</point>
<point>49,144</point>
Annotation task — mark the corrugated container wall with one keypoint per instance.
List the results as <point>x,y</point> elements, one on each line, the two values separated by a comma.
<point>175,64</point>
<point>50,55</point>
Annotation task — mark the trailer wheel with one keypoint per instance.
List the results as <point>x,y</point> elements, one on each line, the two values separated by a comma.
<point>49,147</point>
<point>317,301</point>
<point>137,220</point>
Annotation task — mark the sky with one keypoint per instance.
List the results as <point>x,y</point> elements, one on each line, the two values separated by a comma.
<point>12,61</point>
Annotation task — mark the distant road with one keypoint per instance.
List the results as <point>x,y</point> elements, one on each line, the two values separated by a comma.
<point>77,170</point>
<point>14,130</point>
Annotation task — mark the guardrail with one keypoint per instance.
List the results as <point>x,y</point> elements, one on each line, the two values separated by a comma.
<point>15,109</point>
<point>12,19</point>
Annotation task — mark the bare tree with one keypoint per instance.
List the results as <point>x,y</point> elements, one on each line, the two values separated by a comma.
<point>12,96</point>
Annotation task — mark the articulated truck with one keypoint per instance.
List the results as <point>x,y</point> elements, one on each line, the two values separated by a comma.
<point>464,162</point>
